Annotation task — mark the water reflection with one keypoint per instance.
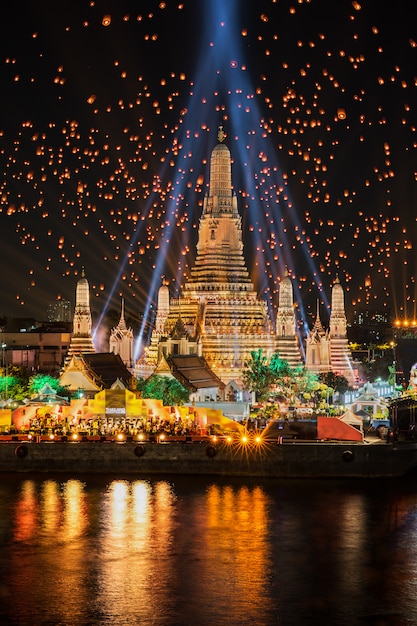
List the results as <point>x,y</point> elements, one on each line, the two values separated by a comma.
<point>235,538</point>
<point>136,521</point>
<point>25,513</point>
<point>193,551</point>
<point>75,514</point>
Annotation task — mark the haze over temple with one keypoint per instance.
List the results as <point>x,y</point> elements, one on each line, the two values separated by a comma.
<point>219,315</point>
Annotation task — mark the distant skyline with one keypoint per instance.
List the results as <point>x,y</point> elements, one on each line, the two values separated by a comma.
<point>109,115</point>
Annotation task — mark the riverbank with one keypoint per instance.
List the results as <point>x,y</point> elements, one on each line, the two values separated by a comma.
<point>207,456</point>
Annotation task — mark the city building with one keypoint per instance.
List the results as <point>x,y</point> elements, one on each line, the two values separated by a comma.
<point>37,347</point>
<point>59,311</point>
<point>370,326</point>
<point>405,350</point>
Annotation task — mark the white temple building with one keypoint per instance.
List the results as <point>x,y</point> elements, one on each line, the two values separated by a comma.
<point>219,316</point>
<point>286,335</point>
<point>328,350</point>
<point>340,356</point>
<point>318,347</point>
<point>86,371</point>
<point>121,340</point>
<point>81,339</point>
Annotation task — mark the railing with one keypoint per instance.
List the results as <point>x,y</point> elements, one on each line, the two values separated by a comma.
<point>118,437</point>
<point>160,438</point>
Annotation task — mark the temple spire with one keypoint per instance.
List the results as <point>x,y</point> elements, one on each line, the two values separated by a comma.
<point>287,342</point>
<point>220,261</point>
<point>81,340</point>
<point>121,339</point>
<point>318,326</point>
<point>122,322</point>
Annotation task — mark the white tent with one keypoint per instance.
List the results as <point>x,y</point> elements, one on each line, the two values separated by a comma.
<point>353,420</point>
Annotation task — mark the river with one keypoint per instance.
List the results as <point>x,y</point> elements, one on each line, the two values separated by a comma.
<point>184,551</point>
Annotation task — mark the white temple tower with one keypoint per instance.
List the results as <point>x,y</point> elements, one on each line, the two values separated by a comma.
<point>162,310</point>
<point>81,340</point>
<point>146,365</point>
<point>287,341</point>
<point>340,355</point>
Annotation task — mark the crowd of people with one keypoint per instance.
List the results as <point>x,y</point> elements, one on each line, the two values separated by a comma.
<point>148,426</point>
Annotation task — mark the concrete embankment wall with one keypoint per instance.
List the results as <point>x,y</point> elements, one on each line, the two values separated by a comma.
<point>290,460</point>
<point>97,457</point>
<point>137,458</point>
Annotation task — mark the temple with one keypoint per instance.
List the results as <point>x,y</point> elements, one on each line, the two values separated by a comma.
<point>219,315</point>
<point>318,347</point>
<point>328,350</point>
<point>81,339</point>
<point>286,339</point>
<point>121,340</point>
<point>340,357</point>
<point>219,318</point>
<point>85,371</point>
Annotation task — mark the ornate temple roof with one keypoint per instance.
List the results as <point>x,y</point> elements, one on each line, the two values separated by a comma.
<point>109,367</point>
<point>193,372</point>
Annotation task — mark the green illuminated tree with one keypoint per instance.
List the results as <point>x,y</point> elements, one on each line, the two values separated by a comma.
<point>292,382</point>
<point>275,378</point>
<point>13,384</point>
<point>258,376</point>
<point>164,388</point>
<point>38,382</point>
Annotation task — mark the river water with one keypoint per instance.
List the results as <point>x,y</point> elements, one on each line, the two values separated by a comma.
<point>195,551</point>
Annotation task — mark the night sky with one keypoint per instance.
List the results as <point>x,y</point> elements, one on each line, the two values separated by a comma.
<point>108,115</point>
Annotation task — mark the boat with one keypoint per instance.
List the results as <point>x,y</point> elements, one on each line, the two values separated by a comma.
<point>403,417</point>
<point>277,452</point>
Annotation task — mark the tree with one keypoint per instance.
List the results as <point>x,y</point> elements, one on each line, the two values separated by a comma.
<point>307,382</point>
<point>276,378</point>
<point>13,383</point>
<point>283,374</point>
<point>292,381</point>
<point>257,375</point>
<point>379,368</point>
<point>38,382</point>
<point>164,388</point>
<point>339,384</point>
